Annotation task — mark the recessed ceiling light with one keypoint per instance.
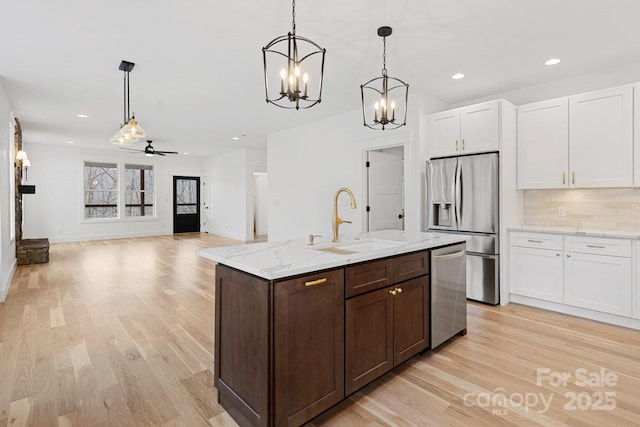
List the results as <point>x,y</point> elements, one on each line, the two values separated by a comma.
<point>82,116</point>
<point>552,61</point>
<point>70,142</point>
<point>235,138</point>
<point>457,76</point>
<point>185,153</point>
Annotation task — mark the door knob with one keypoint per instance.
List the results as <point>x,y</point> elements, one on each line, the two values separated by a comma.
<point>400,216</point>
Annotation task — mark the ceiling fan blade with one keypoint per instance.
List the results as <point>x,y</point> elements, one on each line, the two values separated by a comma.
<point>167,152</point>
<point>130,149</point>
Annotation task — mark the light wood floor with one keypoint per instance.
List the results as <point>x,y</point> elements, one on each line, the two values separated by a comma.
<point>120,332</point>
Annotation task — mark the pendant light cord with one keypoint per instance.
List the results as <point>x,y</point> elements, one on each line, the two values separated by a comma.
<point>128,105</point>
<point>293,17</point>
<point>384,56</point>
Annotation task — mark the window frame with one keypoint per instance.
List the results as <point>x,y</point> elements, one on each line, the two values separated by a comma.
<point>121,190</point>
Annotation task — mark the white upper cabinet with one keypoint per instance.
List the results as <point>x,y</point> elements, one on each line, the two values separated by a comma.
<point>601,138</point>
<point>580,141</point>
<point>636,140</point>
<point>543,144</point>
<point>480,127</point>
<point>445,133</point>
<point>466,130</point>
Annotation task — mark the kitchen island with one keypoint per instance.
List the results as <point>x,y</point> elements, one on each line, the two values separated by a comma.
<point>299,327</point>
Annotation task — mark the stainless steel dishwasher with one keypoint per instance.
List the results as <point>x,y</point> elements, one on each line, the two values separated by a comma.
<point>448,293</point>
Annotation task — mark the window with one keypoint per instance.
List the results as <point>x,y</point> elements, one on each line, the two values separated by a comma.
<point>139,182</point>
<point>100,190</point>
<point>186,196</point>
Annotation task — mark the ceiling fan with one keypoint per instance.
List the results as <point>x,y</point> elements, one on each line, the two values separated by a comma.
<point>149,151</point>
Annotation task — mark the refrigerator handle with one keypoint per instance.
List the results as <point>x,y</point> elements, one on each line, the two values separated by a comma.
<point>458,193</point>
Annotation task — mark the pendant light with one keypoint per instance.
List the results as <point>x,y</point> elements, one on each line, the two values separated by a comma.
<point>293,69</point>
<point>130,131</point>
<point>385,98</point>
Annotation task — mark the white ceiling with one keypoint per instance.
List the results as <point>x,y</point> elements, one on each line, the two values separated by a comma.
<point>198,76</point>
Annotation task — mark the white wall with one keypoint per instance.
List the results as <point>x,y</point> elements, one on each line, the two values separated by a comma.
<point>56,210</point>
<point>7,246</point>
<point>231,197</point>
<point>308,164</point>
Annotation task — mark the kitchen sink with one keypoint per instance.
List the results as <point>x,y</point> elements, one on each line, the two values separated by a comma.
<point>356,246</point>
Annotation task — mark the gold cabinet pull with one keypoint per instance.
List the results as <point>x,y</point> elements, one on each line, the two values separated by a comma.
<point>393,292</point>
<point>462,144</point>
<point>316,282</point>
<point>573,177</point>
<point>595,246</point>
<point>564,178</point>
<point>557,254</point>
<point>534,241</point>
<point>456,145</point>
<point>568,255</point>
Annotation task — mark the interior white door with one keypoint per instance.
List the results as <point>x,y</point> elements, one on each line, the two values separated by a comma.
<point>386,198</point>
<point>260,202</point>
<point>204,197</point>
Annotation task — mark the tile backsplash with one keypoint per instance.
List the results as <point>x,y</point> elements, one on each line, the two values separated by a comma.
<point>607,209</point>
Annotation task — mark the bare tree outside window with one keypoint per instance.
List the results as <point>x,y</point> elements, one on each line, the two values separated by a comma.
<point>139,185</point>
<point>100,190</point>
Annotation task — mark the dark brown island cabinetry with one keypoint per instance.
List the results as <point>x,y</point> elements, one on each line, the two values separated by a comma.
<point>387,326</point>
<point>288,349</point>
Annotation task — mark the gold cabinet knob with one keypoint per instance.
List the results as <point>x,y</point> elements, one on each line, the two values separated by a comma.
<point>399,290</point>
<point>393,292</point>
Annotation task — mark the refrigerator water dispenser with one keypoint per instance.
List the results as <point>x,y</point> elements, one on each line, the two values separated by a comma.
<point>442,214</point>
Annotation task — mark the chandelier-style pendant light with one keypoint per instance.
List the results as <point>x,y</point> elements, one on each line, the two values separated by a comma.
<point>385,98</point>
<point>288,71</point>
<point>130,131</point>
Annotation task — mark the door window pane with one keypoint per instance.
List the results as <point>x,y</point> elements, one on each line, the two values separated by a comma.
<point>186,196</point>
<point>100,190</point>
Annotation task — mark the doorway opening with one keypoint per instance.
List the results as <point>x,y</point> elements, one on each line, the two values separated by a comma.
<point>186,204</point>
<point>260,216</point>
<point>385,188</point>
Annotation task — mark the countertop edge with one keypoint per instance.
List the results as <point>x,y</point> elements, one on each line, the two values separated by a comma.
<point>227,255</point>
<point>615,234</point>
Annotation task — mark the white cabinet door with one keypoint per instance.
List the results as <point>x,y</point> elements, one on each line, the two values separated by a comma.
<point>480,127</point>
<point>536,273</point>
<point>444,133</point>
<point>636,136</point>
<point>601,138</point>
<point>543,144</point>
<point>598,282</point>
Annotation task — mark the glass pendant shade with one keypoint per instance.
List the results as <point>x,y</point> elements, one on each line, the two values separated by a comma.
<point>293,70</point>
<point>21,155</point>
<point>133,130</point>
<point>26,163</point>
<point>384,98</point>
<point>121,139</point>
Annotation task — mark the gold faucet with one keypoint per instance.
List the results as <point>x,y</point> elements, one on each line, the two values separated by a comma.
<point>336,218</point>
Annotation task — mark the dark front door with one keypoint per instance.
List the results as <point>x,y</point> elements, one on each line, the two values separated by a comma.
<point>186,204</point>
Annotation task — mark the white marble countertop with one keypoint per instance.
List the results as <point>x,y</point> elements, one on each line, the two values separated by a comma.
<point>275,260</point>
<point>579,231</point>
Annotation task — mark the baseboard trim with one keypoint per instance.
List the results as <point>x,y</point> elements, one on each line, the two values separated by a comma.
<point>6,282</point>
<point>614,319</point>
<point>68,239</point>
<point>228,235</point>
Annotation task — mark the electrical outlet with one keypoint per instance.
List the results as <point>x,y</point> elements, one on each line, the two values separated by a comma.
<point>562,211</point>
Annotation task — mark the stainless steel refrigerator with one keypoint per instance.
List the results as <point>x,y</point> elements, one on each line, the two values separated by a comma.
<point>462,197</point>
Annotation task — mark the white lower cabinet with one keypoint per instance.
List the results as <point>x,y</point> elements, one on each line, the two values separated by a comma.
<point>593,273</point>
<point>536,273</point>
<point>598,282</point>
